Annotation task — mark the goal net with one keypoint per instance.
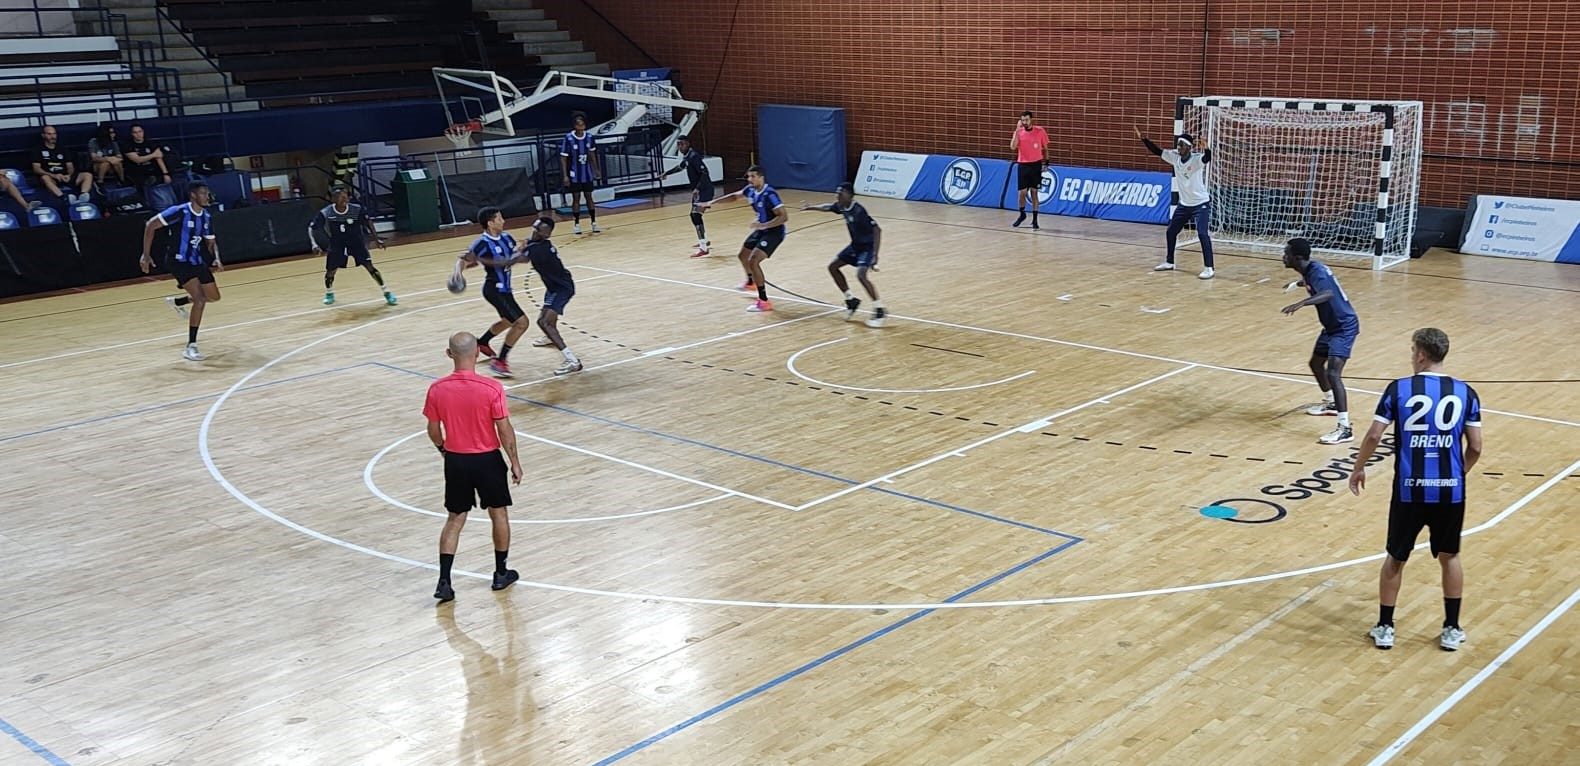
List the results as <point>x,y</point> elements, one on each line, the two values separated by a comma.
<point>1342,174</point>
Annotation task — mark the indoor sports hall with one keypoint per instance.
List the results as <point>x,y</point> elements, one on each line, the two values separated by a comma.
<point>1057,506</point>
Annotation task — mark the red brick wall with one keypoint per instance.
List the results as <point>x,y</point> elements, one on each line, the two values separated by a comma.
<point>950,77</point>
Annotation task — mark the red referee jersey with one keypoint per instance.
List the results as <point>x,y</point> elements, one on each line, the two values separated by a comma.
<point>466,404</point>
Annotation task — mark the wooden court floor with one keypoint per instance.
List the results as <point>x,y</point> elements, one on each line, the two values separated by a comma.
<point>973,536</point>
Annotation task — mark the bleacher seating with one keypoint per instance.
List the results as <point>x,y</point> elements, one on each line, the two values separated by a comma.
<point>291,52</point>
<point>75,79</point>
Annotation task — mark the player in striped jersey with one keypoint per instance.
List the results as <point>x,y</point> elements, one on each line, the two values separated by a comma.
<point>495,249</point>
<point>579,169</point>
<point>1437,442</point>
<point>191,231</point>
<point>768,232</point>
<point>1340,327</point>
<point>865,236</point>
<point>348,228</point>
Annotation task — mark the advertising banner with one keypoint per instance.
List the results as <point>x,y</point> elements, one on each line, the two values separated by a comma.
<point>1523,227</point>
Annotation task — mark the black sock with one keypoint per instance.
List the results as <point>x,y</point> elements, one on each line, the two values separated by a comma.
<point>1451,612</point>
<point>446,560</point>
<point>499,561</point>
<point>504,351</point>
<point>762,291</point>
<point>1023,211</point>
<point>192,333</point>
<point>1385,615</point>
<point>1033,216</point>
<point>329,280</point>
<point>486,337</point>
<point>183,300</point>
<point>377,277</point>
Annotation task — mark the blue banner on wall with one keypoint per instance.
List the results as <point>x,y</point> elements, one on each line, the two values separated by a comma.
<point>1115,195</point>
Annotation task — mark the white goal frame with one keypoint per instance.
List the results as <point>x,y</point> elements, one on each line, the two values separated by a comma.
<point>1396,194</point>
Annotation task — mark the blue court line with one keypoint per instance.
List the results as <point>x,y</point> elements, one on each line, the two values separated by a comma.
<point>32,744</point>
<point>177,403</point>
<point>758,458</point>
<point>823,660</point>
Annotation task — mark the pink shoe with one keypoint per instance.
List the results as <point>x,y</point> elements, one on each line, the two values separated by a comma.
<point>760,306</point>
<point>500,368</point>
<point>748,287</point>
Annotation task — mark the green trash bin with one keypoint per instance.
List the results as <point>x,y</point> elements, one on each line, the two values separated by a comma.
<point>416,201</point>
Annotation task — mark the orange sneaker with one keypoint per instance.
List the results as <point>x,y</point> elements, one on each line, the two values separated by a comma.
<point>747,286</point>
<point>759,306</point>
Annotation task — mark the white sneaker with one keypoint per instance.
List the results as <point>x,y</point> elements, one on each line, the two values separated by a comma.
<point>1382,636</point>
<point>569,367</point>
<point>577,229</point>
<point>1338,435</point>
<point>1324,408</point>
<point>1164,266</point>
<point>1205,273</point>
<point>181,311</point>
<point>541,342</point>
<point>876,320</point>
<point>595,229</point>
<point>1451,639</point>
<point>192,354</point>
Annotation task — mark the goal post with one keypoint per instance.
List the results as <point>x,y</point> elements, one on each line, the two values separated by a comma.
<point>1343,174</point>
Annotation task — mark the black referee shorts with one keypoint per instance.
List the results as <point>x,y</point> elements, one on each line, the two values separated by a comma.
<point>479,479</point>
<point>1028,175</point>
<point>1405,521</point>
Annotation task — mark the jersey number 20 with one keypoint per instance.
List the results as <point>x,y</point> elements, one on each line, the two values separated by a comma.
<point>1445,417</point>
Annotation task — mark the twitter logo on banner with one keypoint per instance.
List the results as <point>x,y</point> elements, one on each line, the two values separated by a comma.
<point>1497,204</point>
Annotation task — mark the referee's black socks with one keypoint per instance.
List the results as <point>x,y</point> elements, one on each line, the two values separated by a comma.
<point>499,561</point>
<point>1384,615</point>
<point>1451,612</point>
<point>446,560</point>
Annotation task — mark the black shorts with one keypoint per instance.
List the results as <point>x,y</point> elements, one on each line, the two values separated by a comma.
<point>1405,521</point>
<point>702,194</point>
<point>335,257</point>
<point>557,297</point>
<point>766,241</point>
<point>580,186</point>
<point>1028,175</point>
<point>478,479</point>
<point>861,257</point>
<point>186,272</point>
<point>504,303</point>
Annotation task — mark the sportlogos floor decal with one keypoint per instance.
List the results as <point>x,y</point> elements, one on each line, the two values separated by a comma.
<point>1271,503</point>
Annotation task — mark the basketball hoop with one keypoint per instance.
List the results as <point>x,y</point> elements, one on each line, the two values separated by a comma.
<point>460,134</point>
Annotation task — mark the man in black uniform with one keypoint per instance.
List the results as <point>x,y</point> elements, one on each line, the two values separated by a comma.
<point>347,226</point>
<point>701,188</point>
<point>558,288</point>
<point>865,235</point>
<point>57,172</point>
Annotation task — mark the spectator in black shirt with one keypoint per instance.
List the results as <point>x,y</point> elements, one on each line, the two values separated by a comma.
<point>106,154</point>
<point>143,157</point>
<point>58,172</point>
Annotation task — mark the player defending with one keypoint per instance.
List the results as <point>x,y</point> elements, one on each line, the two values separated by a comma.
<point>348,228</point>
<point>1030,145</point>
<point>558,288</point>
<point>1195,202</point>
<point>495,250</point>
<point>1340,326</point>
<point>579,168</point>
<point>701,188</point>
<point>1437,443</point>
<point>192,230</point>
<point>768,232</point>
<point>865,236</point>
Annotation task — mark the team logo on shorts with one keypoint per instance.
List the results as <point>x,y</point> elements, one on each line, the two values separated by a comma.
<point>1045,187</point>
<point>960,180</point>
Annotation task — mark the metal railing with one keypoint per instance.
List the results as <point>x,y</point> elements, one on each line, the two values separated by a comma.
<point>163,87</point>
<point>162,19</point>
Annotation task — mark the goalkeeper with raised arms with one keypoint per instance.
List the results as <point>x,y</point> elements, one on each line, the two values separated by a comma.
<point>1195,202</point>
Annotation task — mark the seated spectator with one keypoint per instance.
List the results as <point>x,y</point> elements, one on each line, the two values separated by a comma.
<point>58,172</point>
<point>15,193</point>
<point>106,154</point>
<point>144,159</point>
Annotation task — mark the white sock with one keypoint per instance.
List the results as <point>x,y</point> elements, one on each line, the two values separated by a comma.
<point>569,357</point>
<point>1344,420</point>
<point>848,295</point>
<point>877,304</point>
<point>1327,397</point>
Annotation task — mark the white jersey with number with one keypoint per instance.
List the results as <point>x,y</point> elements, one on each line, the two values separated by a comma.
<point>1190,177</point>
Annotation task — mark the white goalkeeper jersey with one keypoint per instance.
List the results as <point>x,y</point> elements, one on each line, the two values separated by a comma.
<point>1190,177</point>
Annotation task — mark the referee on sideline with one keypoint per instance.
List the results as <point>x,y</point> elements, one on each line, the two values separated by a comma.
<point>468,422</point>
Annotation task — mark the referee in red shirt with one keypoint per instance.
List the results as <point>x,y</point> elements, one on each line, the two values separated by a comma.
<point>468,422</point>
<point>1030,145</point>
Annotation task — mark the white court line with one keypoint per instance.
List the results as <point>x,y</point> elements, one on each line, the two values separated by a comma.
<point>1027,428</point>
<point>1074,344</point>
<point>367,480</point>
<point>790,365</point>
<point>1201,663</point>
<point>1409,736</point>
<point>704,342</point>
<point>658,471</point>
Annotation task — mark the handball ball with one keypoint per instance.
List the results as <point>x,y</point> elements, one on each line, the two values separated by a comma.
<point>457,284</point>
